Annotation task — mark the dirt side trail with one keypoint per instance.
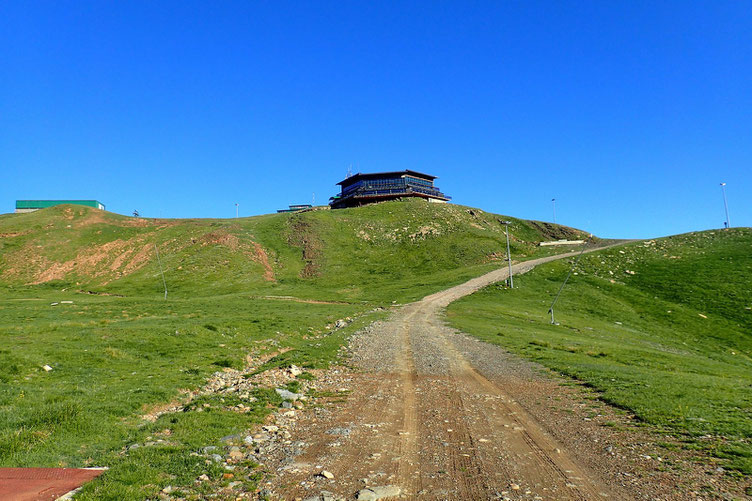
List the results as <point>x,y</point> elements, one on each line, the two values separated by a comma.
<point>434,414</point>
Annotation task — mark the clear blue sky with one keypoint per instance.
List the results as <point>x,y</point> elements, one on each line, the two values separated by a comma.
<point>630,114</point>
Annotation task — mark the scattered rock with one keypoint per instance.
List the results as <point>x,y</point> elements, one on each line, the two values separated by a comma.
<point>342,432</point>
<point>324,496</point>
<point>230,439</point>
<point>327,474</point>
<point>47,368</point>
<point>287,394</point>
<point>374,493</point>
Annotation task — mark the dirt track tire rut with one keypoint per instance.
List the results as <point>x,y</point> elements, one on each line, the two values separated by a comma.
<point>445,429</point>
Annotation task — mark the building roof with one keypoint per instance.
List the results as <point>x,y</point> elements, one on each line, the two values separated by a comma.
<point>41,204</point>
<point>372,175</point>
<point>296,208</point>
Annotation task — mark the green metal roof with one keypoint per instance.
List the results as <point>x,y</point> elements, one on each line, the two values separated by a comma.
<point>43,204</point>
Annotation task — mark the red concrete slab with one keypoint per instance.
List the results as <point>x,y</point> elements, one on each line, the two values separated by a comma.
<point>42,484</point>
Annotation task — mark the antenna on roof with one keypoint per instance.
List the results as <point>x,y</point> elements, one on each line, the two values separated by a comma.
<point>349,171</point>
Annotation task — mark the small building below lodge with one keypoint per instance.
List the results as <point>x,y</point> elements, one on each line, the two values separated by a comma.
<point>295,208</point>
<point>361,189</point>
<point>34,205</point>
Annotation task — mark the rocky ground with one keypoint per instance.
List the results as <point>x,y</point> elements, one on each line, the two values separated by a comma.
<point>425,412</point>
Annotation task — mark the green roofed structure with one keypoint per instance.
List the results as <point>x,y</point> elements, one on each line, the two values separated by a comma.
<point>32,205</point>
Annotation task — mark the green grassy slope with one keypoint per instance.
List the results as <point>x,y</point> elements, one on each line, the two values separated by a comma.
<point>390,251</point>
<point>118,348</point>
<point>662,328</point>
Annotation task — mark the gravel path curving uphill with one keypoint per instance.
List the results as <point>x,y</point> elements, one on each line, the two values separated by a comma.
<point>430,413</point>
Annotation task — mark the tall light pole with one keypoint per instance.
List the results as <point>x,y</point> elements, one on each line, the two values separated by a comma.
<point>553,202</point>
<point>236,210</point>
<point>725,205</point>
<point>509,255</point>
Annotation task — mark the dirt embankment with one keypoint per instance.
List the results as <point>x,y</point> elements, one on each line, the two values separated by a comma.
<point>556,232</point>
<point>108,261</point>
<point>104,262</point>
<point>260,256</point>
<point>251,249</point>
<point>301,234</point>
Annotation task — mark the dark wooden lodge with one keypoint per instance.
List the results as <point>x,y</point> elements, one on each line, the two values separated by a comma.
<point>361,189</point>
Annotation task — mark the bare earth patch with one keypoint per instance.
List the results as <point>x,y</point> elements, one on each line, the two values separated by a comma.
<point>119,257</point>
<point>259,255</point>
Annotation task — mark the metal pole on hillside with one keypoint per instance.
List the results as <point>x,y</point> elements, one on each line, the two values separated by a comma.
<point>553,201</point>
<point>551,309</point>
<point>509,254</point>
<point>161,271</point>
<point>236,210</point>
<point>725,205</point>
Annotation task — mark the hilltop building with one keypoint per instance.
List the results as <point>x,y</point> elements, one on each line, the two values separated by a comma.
<point>361,189</point>
<point>32,205</point>
<point>296,208</point>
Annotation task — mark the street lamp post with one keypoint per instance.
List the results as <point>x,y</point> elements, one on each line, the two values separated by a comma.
<point>509,255</point>
<point>725,205</point>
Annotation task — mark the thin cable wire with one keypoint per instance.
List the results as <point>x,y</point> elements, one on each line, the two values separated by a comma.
<point>161,271</point>
<point>550,310</point>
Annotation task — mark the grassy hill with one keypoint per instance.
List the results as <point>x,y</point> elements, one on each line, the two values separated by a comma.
<point>388,251</point>
<point>83,295</point>
<point>662,328</point>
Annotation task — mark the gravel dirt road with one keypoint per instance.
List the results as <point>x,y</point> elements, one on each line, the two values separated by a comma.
<point>430,413</point>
